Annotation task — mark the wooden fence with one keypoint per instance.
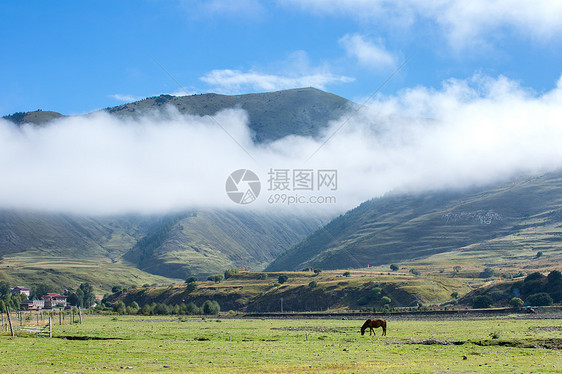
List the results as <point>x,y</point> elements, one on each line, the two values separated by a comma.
<point>38,322</point>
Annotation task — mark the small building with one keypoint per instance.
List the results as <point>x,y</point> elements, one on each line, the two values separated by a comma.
<point>20,291</point>
<point>33,304</point>
<point>54,301</point>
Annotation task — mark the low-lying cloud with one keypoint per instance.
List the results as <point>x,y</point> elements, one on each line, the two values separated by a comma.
<point>469,132</point>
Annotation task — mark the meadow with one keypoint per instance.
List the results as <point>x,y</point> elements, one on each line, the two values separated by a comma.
<point>509,344</point>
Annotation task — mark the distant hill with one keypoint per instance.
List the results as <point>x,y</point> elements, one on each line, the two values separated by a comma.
<point>37,117</point>
<point>171,246</point>
<point>272,115</point>
<point>523,215</point>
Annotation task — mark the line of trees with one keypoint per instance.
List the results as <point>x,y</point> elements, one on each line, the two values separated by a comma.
<point>209,307</point>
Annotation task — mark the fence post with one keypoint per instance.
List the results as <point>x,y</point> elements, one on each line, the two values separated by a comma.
<point>50,327</point>
<point>80,313</point>
<point>10,320</point>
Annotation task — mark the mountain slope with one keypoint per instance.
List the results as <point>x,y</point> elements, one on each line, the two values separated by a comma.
<point>209,242</point>
<point>172,246</point>
<point>521,215</point>
<point>272,115</point>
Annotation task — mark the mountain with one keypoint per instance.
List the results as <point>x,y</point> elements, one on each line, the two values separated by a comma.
<point>506,220</point>
<point>272,115</point>
<point>209,242</point>
<point>154,248</point>
<point>37,117</point>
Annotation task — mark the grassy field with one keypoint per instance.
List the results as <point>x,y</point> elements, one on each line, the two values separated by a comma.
<point>168,344</point>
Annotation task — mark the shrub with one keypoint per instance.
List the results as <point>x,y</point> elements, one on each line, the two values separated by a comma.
<point>539,299</point>
<point>347,274</point>
<point>211,307</point>
<point>394,267</point>
<point>191,280</point>
<point>313,284</point>
<point>483,301</point>
<point>282,279</point>
<point>516,303</point>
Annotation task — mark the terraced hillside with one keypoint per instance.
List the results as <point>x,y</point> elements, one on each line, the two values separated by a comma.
<point>504,220</point>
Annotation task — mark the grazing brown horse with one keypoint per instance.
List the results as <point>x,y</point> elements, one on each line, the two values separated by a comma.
<point>373,323</point>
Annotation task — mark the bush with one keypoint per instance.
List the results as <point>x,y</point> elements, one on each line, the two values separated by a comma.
<point>211,307</point>
<point>516,303</point>
<point>313,284</point>
<point>347,274</point>
<point>229,273</point>
<point>394,267</point>
<point>282,279</point>
<point>483,301</point>
<point>385,300</point>
<point>487,273</point>
<point>539,299</point>
<point>191,280</point>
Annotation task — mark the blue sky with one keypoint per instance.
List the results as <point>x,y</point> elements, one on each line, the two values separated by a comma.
<point>76,57</point>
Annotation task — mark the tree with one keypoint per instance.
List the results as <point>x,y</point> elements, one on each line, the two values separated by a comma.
<point>217,278</point>
<point>385,300</point>
<point>394,267</point>
<point>191,280</point>
<point>482,301</point>
<point>313,284</point>
<point>317,271</point>
<point>455,295</point>
<point>211,307</point>
<point>39,290</point>
<point>89,298</point>
<point>4,288</point>
<point>229,273</point>
<point>161,309</point>
<point>119,307</point>
<point>516,303</point>
<point>191,308</point>
<point>487,273</point>
<point>116,289</point>
<point>347,274</point>
<point>539,254</point>
<point>282,279</point>
<point>539,299</point>
<point>457,268</point>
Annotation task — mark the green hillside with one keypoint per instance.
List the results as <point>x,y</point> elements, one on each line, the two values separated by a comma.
<point>524,215</point>
<point>272,115</point>
<point>129,250</point>
<point>208,242</point>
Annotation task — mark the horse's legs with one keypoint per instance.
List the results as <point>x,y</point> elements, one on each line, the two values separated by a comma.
<point>372,331</point>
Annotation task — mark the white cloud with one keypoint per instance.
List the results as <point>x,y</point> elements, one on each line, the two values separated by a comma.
<point>126,98</point>
<point>367,53</point>
<point>468,132</point>
<point>461,22</point>
<point>230,81</point>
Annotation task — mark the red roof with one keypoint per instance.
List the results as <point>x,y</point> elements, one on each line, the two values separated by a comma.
<point>20,288</point>
<point>53,295</point>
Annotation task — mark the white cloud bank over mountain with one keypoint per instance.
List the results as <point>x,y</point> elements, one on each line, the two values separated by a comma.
<point>468,132</point>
